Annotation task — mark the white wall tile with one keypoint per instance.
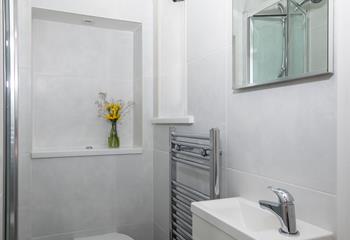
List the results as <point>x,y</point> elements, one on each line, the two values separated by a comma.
<point>134,190</point>
<point>161,189</point>
<point>207,93</point>
<point>24,226</point>
<point>312,206</point>
<point>207,28</point>
<point>72,194</point>
<point>284,135</point>
<point>171,71</point>
<point>160,234</point>
<point>25,110</point>
<point>286,132</point>
<point>86,61</point>
<point>343,137</point>
<point>161,138</point>
<point>88,193</point>
<point>24,27</point>
<point>24,162</point>
<point>80,196</point>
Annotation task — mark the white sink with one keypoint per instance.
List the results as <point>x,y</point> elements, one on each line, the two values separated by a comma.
<point>240,219</point>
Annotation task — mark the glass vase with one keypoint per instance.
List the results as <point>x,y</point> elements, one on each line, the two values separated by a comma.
<point>113,139</point>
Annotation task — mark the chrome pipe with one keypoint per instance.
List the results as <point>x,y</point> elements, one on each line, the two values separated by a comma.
<point>183,230</point>
<point>183,135</point>
<point>10,90</point>
<point>191,163</point>
<point>299,6</point>
<point>182,204</point>
<point>178,235</point>
<point>183,217</point>
<point>182,221</point>
<point>269,15</point>
<point>195,155</point>
<point>215,164</point>
<point>172,175</point>
<point>182,212</point>
<point>182,195</point>
<point>191,190</point>
<point>193,145</point>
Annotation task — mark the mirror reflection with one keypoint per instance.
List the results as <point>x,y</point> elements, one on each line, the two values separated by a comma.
<point>287,40</point>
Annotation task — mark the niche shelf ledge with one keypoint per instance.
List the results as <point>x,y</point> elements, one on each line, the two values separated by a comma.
<point>62,153</point>
<point>173,120</point>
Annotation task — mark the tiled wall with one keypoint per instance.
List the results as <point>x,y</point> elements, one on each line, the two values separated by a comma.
<point>87,61</point>
<point>342,70</point>
<point>65,197</point>
<point>24,190</point>
<point>92,195</point>
<point>284,135</point>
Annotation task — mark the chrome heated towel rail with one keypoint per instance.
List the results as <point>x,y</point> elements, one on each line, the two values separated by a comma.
<point>199,152</point>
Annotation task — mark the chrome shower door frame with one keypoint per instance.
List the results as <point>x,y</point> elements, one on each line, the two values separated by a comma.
<point>10,120</point>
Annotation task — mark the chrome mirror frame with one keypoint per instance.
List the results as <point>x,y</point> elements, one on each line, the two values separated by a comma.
<point>242,84</point>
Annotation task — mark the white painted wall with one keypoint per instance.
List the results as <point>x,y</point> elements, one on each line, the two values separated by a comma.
<point>283,135</point>
<point>65,197</point>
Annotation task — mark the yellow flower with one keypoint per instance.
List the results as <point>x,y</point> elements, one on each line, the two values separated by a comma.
<point>113,111</point>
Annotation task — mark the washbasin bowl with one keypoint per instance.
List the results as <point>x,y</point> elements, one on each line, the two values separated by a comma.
<point>242,219</point>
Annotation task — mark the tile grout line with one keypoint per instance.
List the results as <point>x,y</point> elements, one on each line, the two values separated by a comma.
<point>282,182</point>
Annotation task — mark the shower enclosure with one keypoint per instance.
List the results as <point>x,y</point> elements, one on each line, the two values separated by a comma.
<point>278,42</point>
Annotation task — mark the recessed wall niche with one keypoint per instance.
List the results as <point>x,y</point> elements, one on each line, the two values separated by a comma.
<point>74,58</point>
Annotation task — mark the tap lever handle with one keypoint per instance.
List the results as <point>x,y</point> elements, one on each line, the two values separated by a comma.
<point>283,195</point>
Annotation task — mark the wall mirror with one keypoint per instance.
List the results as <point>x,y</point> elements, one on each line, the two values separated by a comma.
<point>282,41</point>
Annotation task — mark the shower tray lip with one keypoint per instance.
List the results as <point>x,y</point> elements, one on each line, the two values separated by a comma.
<point>84,152</point>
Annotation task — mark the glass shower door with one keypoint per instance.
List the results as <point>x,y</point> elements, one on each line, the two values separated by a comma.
<point>278,43</point>
<point>297,42</point>
<point>267,43</point>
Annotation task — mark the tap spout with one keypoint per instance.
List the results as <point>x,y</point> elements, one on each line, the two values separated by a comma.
<point>284,210</point>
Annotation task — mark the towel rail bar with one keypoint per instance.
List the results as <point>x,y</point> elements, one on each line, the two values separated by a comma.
<point>198,152</point>
<point>183,217</point>
<point>183,205</point>
<point>182,212</point>
<point>192,163</point>
<point>181,229</point>
<point>190,190</point>
<point>194,145</point>
<point>190,154</point>
<point>178,235</point>
<point>190,136</point>
<point>182,195</point>
<point>184,221</point>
